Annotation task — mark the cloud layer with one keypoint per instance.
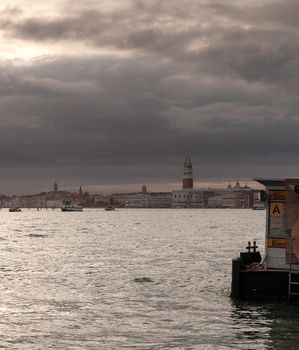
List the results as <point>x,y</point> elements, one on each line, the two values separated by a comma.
<point>130,85</point>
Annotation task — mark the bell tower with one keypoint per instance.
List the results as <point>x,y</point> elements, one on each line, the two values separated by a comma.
<point>187,172</point>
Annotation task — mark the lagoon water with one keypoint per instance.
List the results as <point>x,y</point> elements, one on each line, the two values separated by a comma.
<point>133,279</point>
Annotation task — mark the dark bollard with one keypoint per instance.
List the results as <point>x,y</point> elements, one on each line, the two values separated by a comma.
<point>236,290</point>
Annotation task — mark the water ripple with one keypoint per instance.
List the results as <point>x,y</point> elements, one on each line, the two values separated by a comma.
<point>137,279</point>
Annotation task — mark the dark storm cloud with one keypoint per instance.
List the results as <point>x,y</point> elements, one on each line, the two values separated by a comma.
<point>216,38</point>
<point>131,109</point>
<point>219,79</point>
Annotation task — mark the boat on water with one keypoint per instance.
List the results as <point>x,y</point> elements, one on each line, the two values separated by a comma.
<point>259,206</point>
<point>275,276</point>
<point>69,206</point>
<point>15,209</point>
<point>109,208</point>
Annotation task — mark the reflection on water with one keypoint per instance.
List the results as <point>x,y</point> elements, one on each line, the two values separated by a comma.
<point>271,325</point>
<point>251,325</point>
<point>132,279</point>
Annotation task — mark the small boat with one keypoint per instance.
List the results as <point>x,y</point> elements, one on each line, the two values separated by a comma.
<point>109,208</point>
<point>68,206</point>
<point>15,209</point>
<point>258,206</point>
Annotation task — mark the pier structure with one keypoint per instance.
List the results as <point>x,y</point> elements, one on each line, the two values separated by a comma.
<point>276,276</point>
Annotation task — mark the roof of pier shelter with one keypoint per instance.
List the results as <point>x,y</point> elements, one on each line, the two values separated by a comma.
<point>271,182</point>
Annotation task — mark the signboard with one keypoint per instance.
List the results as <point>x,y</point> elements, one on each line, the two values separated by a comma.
<point>277,196</point>
<point>276,242</point>
<point>277,227</point>
<point>277,223</point>
<point>277,209</point>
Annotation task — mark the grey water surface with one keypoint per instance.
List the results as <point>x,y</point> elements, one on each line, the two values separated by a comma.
<point>133,279</point>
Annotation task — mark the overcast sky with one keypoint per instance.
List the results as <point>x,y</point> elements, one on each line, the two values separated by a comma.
<point>110,94</point>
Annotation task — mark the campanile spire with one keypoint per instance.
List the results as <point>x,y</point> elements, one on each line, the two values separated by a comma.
<point>187,172</point>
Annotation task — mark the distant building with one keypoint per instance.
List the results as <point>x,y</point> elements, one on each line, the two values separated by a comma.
<point>55,186</point>
<point>229,200</point>
<point>54,203</point>
<point>119,199</point>
<point>146,199</point>
<point>30,201</point>
<point>187,172</point>
<point>191,198</point>
<point>232,197</point>
<point>188,197</point>
<point>100,200</point>
<point>215,202</point>
<point>236,196</point>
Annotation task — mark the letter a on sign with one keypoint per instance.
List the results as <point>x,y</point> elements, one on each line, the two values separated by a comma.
<point>277,210</point>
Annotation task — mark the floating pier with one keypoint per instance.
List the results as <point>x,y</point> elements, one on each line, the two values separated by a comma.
<point>276,275</point>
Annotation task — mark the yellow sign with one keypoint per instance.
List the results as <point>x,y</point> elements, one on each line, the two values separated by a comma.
<point>276,210</point>
<point>277,195</point>
<point>277,242</point>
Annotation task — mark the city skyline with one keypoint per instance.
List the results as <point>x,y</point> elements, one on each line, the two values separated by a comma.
<point>187,182</point>
<point>110,94</point>
<point>131,188</point>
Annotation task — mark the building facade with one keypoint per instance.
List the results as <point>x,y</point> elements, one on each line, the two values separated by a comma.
<point>150,200</point>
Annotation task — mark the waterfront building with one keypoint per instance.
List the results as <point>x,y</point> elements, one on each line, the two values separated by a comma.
<point>150,200</point>
<point>100,200</point>
<point>232,197</point>
<point>54,203</point>
<point>119,199</point>
<point>30,201</point>
<point>236,196</point>
<point>215,201</point>
<point>188,197</point>
<point>229,200</point>
<point>4,201</point>
<point>191,198</point>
